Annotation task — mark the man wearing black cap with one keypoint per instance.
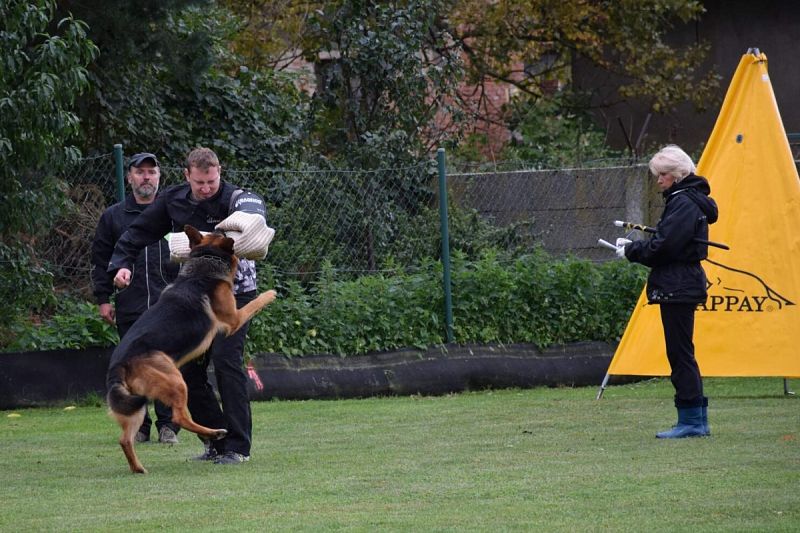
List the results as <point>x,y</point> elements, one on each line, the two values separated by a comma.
<point>151,273</point>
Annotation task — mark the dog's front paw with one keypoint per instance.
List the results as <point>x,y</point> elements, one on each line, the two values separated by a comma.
<point>219,434</point>
<point>269,296</point>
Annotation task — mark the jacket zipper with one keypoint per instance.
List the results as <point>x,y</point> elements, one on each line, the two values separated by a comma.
<point>147,275</point>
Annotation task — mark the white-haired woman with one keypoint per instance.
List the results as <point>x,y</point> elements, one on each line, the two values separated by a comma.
<point>677,281</point>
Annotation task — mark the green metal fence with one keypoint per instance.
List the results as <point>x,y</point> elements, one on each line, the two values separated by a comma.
<point>353,222</point>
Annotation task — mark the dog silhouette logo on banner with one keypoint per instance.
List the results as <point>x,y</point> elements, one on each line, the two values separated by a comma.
<point>741,292</point>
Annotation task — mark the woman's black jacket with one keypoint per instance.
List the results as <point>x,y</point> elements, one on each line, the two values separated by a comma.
<point>672,253</point>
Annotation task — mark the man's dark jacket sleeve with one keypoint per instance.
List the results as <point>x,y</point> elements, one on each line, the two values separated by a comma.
<point>151,225</point>
<point>102,248</point>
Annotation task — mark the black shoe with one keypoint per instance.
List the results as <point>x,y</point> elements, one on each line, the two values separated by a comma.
<point>231,458</point>
<point>210,454</point>
<point>141,436</point>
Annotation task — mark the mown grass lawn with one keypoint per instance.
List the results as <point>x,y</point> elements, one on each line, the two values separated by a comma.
<point>541,459</point>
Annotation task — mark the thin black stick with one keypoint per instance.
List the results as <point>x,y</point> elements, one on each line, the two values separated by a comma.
<point>641,227</point>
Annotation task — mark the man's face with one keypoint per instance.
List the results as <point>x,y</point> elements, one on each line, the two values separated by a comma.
<point>144,180</point>
<point>204,182</point>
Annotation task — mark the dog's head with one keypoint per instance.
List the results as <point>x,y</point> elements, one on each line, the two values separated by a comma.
<point>208,244</point>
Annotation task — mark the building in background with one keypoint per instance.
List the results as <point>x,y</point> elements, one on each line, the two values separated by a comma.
<point>731,28</point>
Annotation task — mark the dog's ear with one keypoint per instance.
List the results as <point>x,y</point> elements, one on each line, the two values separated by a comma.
<point>194,235</point>
<point>226,243</point>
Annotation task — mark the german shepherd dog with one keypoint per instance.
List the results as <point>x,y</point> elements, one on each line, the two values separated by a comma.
<point>178,328</point>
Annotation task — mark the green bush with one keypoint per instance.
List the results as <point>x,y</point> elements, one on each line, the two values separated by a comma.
<point>352,317</point>
<point>534,298</point>
<point>25,287</point>
<point>555,132</point>
<point>75,324</point>
<point>543,301</point>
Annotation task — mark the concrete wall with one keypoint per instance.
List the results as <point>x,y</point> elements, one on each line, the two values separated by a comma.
<point>564,211</point>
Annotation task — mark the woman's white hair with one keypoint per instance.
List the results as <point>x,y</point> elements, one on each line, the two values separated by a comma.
<point>672,160</point>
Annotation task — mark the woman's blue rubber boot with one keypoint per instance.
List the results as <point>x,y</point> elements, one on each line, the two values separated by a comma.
<point>706,427</point>
<point>690,424</point>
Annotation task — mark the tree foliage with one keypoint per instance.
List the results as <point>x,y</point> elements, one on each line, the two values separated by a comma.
<point>524,43</point>
<point>554,133</point>
<point>380,83</point>
<point>531,45</point>
<point>167,81</point>
<point>43,70</point>
<point>272,32</point>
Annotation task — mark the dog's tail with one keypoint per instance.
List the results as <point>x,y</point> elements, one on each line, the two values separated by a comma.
<point>120,400</point>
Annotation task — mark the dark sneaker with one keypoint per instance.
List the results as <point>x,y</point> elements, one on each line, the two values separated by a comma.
<point>167,436</point>
<point>231,458</point>
<point>208,455</point>
<point>141,436</point>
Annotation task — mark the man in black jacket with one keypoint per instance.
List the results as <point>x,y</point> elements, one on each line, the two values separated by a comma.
<point>677,281</point>
<point>152,271</point>
<point>204,201</point>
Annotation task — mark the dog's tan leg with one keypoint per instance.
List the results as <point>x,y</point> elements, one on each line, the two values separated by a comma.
<point>160,379</point>
<point>251,308</point>
<point>181,416</point>
<point>130,425</point>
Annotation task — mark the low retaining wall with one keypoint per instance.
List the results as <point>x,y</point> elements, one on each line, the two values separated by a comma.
<point>43,378</point>
<point>433,371</point>
<point>40,378</point>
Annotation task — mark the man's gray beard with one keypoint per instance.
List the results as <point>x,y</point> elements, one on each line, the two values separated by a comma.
<point>145,191</point>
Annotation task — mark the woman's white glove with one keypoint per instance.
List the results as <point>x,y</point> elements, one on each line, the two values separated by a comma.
<point>621,242</point>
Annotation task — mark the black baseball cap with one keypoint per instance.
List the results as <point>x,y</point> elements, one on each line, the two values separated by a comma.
<point>138,159</point>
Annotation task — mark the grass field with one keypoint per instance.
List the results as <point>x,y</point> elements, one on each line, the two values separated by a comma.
<point>541,459</point>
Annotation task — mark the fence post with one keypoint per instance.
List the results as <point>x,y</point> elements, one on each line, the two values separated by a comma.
<point>448,301</point>
<point>120,174</point>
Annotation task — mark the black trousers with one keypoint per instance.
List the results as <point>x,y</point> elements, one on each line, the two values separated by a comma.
<point>227,354</point>
<point>678,322</point>
<point>163,413</point>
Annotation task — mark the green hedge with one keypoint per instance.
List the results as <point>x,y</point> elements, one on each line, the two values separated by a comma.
<point>533,299</point>
<point>75,324</point>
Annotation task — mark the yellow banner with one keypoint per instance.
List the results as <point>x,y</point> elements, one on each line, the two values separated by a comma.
<point>748,325</point>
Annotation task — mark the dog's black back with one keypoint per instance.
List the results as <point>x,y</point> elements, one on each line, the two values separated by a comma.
<point>177,323</point>
<point>183,324</point>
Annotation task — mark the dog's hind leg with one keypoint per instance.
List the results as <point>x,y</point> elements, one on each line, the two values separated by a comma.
<point>163,381</point>
<point>178,399</point>
<point>130,425</point>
